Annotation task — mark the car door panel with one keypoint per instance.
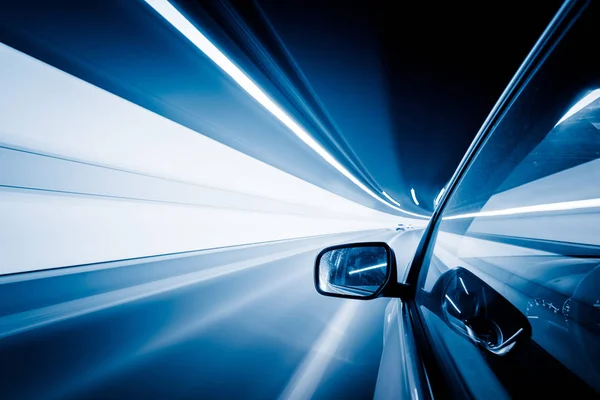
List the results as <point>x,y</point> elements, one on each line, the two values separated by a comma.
<point>401,371</point>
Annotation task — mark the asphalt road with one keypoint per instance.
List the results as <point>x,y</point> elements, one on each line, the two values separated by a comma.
<point>242,322</point>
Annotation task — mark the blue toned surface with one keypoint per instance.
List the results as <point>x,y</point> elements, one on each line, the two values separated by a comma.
<point>235,322</point>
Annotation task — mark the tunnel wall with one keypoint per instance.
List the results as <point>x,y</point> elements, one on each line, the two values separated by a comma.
<point>86,176</point>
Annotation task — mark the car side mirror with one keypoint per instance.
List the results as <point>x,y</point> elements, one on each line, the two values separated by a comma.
<point>357,271</point>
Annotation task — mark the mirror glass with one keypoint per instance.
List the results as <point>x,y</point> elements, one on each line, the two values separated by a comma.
<point>355,270</point>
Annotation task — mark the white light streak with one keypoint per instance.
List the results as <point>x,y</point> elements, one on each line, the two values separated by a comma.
<point>368,268</point>
<point>414,196</point>
<point>560,206</point>
<point>186,28</point>
<point>390,198</point>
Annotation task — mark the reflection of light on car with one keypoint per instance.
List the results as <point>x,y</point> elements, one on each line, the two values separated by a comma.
<point>580,105</point>
<point>368,268</point>
<point>453,305</point>
<point>439,197</point>
<point>463,285</point>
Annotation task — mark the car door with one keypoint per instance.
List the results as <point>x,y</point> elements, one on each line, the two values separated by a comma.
<point>507,281</point>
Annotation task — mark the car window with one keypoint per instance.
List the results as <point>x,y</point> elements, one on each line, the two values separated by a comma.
<point>510,291</point>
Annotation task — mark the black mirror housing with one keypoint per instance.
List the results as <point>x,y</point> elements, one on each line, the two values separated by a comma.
<point>361,271</point>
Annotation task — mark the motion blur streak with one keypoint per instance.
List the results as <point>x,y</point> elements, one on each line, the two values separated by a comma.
<point>140,258</point>
<point>202,194</point>
<point>186,28</point>
<point>562,206</point>
<point>20,322</point>
<point>184,325</point>
<point>220,312</point>
<point>307,377</point>
<point>390,198</point>
<point>178,334</point>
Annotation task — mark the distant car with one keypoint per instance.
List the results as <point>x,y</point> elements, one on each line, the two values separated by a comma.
<point>404,227</point>
<point>502,297</point>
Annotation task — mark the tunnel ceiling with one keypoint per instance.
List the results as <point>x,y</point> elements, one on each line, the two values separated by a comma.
<point>405,89</point>
<point>394,93</point>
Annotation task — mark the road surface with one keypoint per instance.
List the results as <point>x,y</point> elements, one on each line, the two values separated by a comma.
<point>241,322</point>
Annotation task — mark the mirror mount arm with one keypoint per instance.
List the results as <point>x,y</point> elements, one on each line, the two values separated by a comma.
<point>401,291</point>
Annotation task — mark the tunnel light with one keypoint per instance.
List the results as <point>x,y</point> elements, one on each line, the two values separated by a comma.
<point>414,196</point>
<point>580,105</point>
<point>561,206</point>
<point>368,268</point>
<point>390,198</point>
<point>186,28</point>
<point>439,197</point>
